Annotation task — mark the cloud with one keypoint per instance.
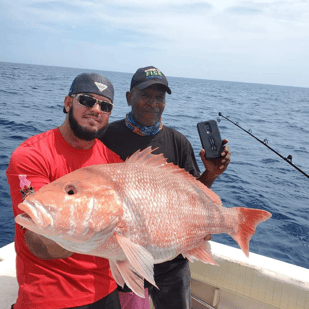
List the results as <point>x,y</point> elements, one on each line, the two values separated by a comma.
<point>241,10</point>
<point>223,35</point>
<point>173,20</point>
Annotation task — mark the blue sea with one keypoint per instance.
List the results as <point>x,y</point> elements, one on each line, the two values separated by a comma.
<point>31,101</point>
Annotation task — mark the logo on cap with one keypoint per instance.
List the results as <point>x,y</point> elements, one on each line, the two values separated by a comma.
<point>153,73</point>
<point>100,86</point>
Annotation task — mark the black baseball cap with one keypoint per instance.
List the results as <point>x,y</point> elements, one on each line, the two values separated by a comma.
<point>92,83</point>
<point>145,77</point>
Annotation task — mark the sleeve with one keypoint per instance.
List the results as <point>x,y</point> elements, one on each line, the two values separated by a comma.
<point>186,156</point>
<point>189,162</point>
<point>26,173</point>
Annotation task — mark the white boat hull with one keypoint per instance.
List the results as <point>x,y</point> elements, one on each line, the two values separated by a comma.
<point>8,282</point>
<point>256,282</point>
<point>239,282</point>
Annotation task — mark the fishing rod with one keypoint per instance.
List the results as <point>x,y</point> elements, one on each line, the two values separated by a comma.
<point>287,159</point>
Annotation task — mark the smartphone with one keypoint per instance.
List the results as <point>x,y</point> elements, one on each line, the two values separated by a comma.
<point>210,138</point>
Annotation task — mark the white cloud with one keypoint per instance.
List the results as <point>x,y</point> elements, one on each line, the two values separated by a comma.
<point>223,34</point>
<point>175,20</point>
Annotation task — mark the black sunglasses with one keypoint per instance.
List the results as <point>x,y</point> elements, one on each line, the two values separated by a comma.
<point>89,101</point>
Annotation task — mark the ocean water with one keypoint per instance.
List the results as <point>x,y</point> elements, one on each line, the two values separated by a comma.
<point>31,101</point>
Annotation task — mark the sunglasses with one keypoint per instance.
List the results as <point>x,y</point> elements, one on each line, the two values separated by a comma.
<point>90,101</point>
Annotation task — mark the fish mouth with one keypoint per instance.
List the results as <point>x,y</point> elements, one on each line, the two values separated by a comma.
<point>26,216</point>
<point>24,220</point>
<point>35,214</point>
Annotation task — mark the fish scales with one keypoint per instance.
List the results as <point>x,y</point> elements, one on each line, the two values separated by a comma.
<point>136,214</point>
<point>157,222</point>
<point>169,219</point>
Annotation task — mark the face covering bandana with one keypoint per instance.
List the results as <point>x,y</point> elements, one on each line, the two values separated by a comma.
<point>142,130</point>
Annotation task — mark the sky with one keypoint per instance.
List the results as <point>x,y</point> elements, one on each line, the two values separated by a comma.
<point>256,41</point>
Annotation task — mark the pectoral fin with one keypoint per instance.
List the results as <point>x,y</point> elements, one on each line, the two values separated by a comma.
<point>128,275</point>
<point>141,260</point>
<point>116,274</point>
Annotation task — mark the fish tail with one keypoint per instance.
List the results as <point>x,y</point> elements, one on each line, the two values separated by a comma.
<point>248,221</point>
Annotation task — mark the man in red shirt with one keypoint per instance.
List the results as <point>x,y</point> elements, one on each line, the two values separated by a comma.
<point>49,276</point>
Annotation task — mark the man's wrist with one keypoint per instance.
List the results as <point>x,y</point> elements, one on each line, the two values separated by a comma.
<point>207,178</point>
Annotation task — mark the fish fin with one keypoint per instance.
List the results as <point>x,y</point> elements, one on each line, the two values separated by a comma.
<point>188,257</point>
<point>146,157</point>
<point>116,274</point>
<point>141,260</point>
<point>202,253</point>
<point>157,160</point>
<point>249,219</point>
<point>131,278</point>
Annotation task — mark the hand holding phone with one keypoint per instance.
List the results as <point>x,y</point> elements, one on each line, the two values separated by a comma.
<point>210,138</point>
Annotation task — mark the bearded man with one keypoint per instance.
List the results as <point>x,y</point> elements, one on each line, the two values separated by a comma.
<point>49,276</point>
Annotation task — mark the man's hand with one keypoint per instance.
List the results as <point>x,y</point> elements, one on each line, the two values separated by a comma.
<point>215,167</point>
<point>44,248</point>
<point>219,165</point>
<point>208,237</point>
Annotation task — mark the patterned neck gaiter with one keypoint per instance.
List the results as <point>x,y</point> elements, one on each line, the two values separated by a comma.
<point>142,130</point>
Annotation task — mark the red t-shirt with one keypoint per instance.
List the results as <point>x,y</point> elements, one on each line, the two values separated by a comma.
<point>62,283</point>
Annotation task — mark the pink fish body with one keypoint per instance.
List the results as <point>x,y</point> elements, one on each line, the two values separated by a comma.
<point>136,214</point>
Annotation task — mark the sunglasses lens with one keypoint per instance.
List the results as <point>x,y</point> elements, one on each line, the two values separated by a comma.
<point>89,101</point>
<point>86,101</point>
<point>106,107</point>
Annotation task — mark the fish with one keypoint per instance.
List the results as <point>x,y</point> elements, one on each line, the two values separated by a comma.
<point>138,213</point>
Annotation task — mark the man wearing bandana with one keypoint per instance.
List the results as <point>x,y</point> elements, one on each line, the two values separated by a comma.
<point>141,128</point>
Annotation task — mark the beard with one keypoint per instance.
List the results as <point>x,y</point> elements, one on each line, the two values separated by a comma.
<point>82,132</point>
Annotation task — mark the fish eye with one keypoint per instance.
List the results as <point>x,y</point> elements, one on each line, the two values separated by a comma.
<point>70,189</point>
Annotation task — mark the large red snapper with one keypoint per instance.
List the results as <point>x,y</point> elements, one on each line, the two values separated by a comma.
<point>136,214</point>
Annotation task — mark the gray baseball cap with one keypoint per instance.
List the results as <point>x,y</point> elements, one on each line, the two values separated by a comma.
<point>92,83</point>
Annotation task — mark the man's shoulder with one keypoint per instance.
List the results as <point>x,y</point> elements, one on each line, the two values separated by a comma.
<point>114,132</point>
<point>109,155</point>
<point>35,142</point>
<point>118,124</point>
<point>174,133</point>
<point>31,156</point>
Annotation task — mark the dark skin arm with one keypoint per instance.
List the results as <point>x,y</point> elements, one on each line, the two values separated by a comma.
<point>214,168</point>
<point>44,248</point>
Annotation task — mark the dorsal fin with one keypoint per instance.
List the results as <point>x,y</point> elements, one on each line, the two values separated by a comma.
<point>146,157</point>
<point>157,160</point>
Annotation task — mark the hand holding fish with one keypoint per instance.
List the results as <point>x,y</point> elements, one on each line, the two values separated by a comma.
<point>44,248</point>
